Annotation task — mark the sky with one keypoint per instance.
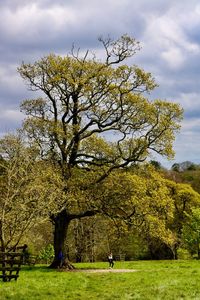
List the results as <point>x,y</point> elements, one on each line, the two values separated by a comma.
<point>168,32</point>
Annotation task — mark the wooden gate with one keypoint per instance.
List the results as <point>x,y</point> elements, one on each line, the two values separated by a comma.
<point>10,263</point>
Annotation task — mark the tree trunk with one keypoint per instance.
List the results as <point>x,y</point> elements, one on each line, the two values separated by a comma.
<point>61,222</point>
<point>2,241</point>
<point>198,250</point>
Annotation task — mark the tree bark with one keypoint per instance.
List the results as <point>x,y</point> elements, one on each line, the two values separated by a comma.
<point>61,223</point>
<point>2,241</point>
<point>198,249</point>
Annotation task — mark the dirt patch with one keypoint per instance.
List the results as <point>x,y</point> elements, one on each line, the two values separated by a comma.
<point>104,270</point>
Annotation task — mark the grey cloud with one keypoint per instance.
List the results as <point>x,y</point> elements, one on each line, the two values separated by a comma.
<point>10,119</point>
<point>34,28</point>
<point>41,32</point>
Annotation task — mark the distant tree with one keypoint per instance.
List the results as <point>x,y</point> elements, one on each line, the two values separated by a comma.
<point>186,165</point>
<point>19,202</point>
<point>191,232</point>
<point>175,167</point>
<point>192,167</point>
<point>157,165</point>
<point>86,102</point>
<point>189,175</point>
<point>28,189</point>
<point>163,224</point>
<point>185,199</point>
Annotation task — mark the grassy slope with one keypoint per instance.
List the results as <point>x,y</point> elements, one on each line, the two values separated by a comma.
<point>154,280</point>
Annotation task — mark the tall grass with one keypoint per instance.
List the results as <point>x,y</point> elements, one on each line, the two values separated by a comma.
<point>152,280</point>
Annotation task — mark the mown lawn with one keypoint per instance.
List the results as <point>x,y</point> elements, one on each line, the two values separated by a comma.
<point>153,280</point>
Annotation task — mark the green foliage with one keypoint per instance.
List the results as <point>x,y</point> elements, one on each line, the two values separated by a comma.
<point>186,172</point>
<point>157,165</point>
<point>192,177</point>
<point>19,204</point>
<point>85,98</point>
<point>47,254</point>
<point>183,254</point>
<point>28,189</point>
<point>85,101</point>
<point>143,198</point>
<point>184,166</point>
<point>191,232</point>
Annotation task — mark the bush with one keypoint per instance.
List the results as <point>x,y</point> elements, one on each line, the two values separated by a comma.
<point>47,254</point>
<point>183,254</point>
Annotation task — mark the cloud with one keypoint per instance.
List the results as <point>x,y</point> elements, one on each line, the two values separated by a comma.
<point>174,57</point>
<point>57,25</point>
<point>168,32</point>
<point>10,120</point>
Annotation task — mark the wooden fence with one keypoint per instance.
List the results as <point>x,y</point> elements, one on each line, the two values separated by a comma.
<point>10,263</point>
<point>120,257</point>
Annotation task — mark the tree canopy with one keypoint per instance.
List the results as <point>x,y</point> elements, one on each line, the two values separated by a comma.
<point>94,118</point>
<point>22,197</point>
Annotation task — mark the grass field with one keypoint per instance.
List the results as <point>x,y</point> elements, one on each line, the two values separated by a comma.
<point>152,280</point>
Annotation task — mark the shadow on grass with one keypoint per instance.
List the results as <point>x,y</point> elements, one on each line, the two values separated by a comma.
<point>40,268</point>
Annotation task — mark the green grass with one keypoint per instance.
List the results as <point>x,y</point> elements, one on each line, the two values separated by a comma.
<point>153,280</point>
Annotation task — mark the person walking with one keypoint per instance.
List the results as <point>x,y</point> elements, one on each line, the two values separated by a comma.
<point>110,260</point>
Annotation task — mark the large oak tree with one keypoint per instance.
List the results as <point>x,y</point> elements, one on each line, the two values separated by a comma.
<point>92,119</point>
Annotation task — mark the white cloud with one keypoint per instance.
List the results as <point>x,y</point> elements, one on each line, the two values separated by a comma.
<point>12,115</point>
<point>174,57</point>
<point>12,87</point>
<point>30,20</point>
<point>190,126</point>
<point>9,76</point>
<point>166,36</point>
<point>10,119</point>
<point>190,101</point>
<point>168,31</point>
